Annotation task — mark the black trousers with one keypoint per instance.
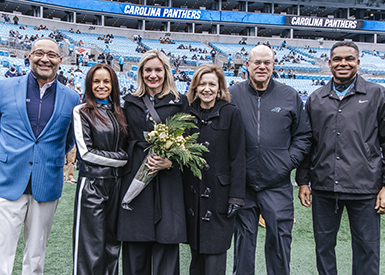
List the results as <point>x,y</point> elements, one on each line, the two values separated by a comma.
<point>207,264</point>
<point>364,227</point>
<point>276,207</point>
<point>139,258</point>
<point>96,249</point>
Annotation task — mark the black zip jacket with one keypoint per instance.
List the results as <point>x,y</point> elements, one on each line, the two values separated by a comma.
<point>100,146</point>
<point>348,135</point>
<point>277,132</point>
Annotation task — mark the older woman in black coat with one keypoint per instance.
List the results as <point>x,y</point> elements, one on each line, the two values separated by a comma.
<point>211,202</point>
<point>152,231</point>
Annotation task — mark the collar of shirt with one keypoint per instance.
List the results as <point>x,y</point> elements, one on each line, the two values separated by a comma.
<point>343,89</point>
<point>45,86</point>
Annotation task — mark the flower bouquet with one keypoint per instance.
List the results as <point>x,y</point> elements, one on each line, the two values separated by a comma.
<point>167,141</point>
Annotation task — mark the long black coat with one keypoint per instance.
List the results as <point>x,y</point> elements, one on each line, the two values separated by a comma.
<point>158,213</point>
<point>223,178</point>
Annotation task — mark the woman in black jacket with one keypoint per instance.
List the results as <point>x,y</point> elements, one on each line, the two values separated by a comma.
<point>211,202</point>
<point>152,230</point>
<point>100,132</point>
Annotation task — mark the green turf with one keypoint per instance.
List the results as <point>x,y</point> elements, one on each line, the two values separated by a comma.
<point>59,249</point>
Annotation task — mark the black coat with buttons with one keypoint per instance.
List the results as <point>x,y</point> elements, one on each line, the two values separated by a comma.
<point>206,201</point>
<point>158,214</point>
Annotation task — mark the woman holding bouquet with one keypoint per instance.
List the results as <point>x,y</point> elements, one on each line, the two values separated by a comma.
<point>211,202</point>
<point>155,224</point>
<point>100,132</point>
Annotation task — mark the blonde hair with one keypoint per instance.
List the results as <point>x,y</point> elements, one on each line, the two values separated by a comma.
<point>205,69</point>
<point>168,84</point>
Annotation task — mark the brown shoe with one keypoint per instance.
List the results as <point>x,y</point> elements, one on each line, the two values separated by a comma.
<point>262,221</point>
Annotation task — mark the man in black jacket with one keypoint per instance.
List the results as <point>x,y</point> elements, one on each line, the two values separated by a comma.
<point>61,78</point>
<point>346,166</point>
<point>277,139</point>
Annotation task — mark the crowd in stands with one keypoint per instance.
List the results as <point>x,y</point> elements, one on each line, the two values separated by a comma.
<point>179,56</point>
<point>37,28</point>
<point>317,82</point>
<point>182,76</point>
<point>25,40</point>
<point>291,57</point>
<point>140,49</point>
<point>281,73</point>
<point>310,50</point>
<point>108,39</point>
<point>191,49</point>
<point>13,72</point>
<point>166,40</point>
<point>72,31</point>
<point>137,38</point>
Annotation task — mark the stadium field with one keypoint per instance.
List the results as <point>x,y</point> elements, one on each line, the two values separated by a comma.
<point>59,250</point>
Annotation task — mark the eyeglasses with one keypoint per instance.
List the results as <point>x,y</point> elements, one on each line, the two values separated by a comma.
<point>259,63</point>
<point>50,54</point>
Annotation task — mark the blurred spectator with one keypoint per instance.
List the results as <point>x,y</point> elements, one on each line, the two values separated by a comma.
<point>71,84</point>
<point>78,70</point>
<point>79,59</point>
<point>86,59</point>
<point>102,58</point>
<point>16,20</point>
<point>6,19</point>
<point>109,59</point>
<point>70,48</point>
<point>79,90</point>
<point>61,78</point>
<point>26,60</point>
<point>291,74</point>
<point>131,89</point>
<point>107,50</point>
<point>12,72</point>
<point>121,62</point>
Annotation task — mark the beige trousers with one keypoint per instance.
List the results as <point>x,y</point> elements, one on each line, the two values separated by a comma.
<point>71,155</point>
<point>37,218</point>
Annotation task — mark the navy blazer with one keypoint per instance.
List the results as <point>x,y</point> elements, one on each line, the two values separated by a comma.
<point>22,154</point>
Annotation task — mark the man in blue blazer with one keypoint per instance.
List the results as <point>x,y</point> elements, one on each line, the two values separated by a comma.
<point>35,135</point>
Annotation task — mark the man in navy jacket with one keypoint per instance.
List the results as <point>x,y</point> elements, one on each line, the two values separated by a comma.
<point>35,134</point>
<point>277,139</point>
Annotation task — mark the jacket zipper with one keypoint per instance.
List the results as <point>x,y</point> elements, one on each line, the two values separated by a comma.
<point>38,117</point>
<point>259,133</point>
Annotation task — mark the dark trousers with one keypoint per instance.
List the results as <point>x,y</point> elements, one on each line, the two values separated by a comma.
<point>207,264</point>
<point>364,227</point>
<point>276,207</point>
<point>138,256</point>
<point>96,249</point>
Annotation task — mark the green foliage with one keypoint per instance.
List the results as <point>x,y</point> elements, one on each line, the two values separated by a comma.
<point>167,140</point>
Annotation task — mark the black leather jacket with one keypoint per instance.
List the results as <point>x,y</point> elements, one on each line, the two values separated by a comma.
<point>100,146</point>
